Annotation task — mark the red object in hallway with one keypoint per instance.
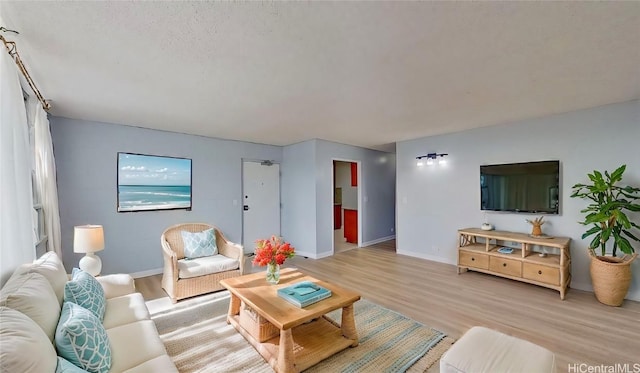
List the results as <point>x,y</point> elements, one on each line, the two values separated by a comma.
<point>354,174</point>
<point>351,225</point>
<point>337,216</point>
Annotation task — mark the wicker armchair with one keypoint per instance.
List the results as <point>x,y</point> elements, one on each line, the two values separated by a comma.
<point>172,251</point>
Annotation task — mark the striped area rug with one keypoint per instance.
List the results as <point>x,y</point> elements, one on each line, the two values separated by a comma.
<point>198,339</point>
<point>389,342</point>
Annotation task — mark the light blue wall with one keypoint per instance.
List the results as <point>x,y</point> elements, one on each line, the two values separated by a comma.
<point>307,194</point>
<point>434,202</point>
<point>86,155</point>
<point>298,188</point>
<point>377,192</point>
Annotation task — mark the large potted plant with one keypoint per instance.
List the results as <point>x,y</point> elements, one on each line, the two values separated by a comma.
<point>612,230</point>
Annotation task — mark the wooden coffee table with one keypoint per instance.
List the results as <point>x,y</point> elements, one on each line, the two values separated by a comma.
<point>306,337</point>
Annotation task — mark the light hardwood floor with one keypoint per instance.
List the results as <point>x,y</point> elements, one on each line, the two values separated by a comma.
<point>578,329</point>
<point>340,243</point>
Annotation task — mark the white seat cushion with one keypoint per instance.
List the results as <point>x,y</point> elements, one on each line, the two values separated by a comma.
<point>117,285</point>
<point>188,268</point>
<point>133,344</point>
<point>124,310</point>
<point>484,350</point>
<point>161,364</point>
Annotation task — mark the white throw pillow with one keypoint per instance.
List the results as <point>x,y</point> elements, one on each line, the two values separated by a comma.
<point>24,347</point>
<point>50,266</point>
<point>31,294</point>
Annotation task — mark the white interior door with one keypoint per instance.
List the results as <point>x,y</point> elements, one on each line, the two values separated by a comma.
<point>261,202</point>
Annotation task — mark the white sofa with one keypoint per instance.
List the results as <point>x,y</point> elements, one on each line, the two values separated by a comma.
<point>30,304</point>
<point>482,349</point>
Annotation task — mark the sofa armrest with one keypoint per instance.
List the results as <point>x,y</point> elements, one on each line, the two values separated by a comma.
<point>117,285</point>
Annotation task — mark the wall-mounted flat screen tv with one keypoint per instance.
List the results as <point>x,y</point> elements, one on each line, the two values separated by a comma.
<point>531,187</point>
<point>151,182</point>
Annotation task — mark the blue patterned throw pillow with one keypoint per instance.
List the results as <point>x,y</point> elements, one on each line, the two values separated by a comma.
<point>84,290</point>
<point>64,366</point>
<point>199,244</point>
<point>81,339</point>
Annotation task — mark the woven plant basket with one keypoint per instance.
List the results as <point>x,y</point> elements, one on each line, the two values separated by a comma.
<point>611,278</point>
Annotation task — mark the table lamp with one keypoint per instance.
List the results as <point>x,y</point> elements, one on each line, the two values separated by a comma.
<point>89,239</point>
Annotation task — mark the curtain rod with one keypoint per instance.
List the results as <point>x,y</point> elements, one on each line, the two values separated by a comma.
<point>12,49</point>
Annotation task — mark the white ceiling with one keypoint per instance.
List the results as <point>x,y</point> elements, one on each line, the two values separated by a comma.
<point>360,73</point>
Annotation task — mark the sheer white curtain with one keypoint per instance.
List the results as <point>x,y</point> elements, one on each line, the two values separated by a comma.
<point>16,200</point>
<point>46,186</point>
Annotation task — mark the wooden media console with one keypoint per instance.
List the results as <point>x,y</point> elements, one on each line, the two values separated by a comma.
<point>478,251</point>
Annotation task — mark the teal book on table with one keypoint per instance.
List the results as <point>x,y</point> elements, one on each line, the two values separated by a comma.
<point>304,293</point>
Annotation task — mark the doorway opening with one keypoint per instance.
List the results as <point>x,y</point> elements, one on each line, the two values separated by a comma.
<point>346,205</point>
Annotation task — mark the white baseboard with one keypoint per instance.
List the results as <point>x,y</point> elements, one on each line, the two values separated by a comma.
<point>383,239</point>
<point>323,255</point>
<point>581,286</point>
<point>433,258</point>
<point>150,272</point>
<point>314,255</point>
<point>306,254</point>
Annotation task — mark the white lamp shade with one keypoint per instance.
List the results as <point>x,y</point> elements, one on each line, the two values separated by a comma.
<point>88,238</point>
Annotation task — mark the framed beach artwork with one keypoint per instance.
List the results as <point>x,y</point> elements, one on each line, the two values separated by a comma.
<point>151,182</point>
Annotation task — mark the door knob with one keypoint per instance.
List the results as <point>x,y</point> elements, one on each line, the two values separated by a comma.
<point>245,207</point>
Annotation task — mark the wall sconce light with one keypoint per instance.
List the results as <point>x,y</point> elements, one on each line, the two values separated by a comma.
<point>431,157</point>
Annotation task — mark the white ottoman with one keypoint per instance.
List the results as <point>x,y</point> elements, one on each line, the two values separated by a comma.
<point>484,350</point>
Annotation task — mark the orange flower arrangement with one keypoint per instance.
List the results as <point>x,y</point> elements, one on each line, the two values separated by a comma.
<point>272,251</point>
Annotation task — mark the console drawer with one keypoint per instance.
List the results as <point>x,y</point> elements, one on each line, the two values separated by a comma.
<point>476,260</point>
<point>505,266</point>
<point>541,273</point>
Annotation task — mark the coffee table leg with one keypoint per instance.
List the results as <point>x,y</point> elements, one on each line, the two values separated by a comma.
<point>285,352</point>
<point>234,307</point>
<point>349,325</point>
